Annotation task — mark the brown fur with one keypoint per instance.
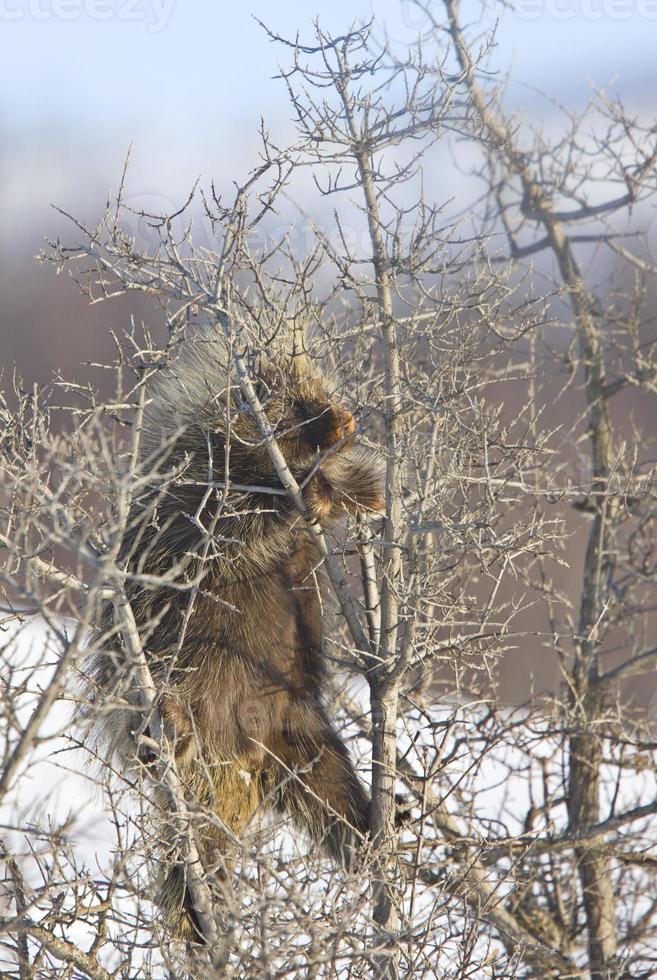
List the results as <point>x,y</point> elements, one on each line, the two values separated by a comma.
<point>243,701</point>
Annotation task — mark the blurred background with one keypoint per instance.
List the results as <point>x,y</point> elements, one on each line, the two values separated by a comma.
<point>186,84</point>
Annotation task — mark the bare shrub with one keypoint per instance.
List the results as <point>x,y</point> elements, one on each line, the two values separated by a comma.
<point>519,518</point>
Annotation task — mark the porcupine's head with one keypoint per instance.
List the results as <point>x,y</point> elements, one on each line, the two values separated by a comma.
<point>199,397</point>
<point>199,427</point>
<point>305,416</point>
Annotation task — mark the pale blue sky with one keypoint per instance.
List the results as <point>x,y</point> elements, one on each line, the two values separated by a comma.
<point>186,81</point>
<point>157,68</point>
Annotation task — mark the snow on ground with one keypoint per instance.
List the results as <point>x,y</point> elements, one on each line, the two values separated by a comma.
<point>55,786</point>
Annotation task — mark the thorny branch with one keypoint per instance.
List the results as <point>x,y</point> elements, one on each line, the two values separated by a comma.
<point>518,536</point>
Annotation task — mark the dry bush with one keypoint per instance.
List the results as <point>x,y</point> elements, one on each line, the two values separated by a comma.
<point>519,517</point>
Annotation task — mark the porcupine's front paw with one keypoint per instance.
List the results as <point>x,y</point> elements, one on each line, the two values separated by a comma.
<point>403,808</point>
<point>357,480</point>
<point>319,497</point>
<point>349,481</point>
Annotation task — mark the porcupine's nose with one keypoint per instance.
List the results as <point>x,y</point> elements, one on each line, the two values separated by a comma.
<point>348,423</point>
<point>343,425</point>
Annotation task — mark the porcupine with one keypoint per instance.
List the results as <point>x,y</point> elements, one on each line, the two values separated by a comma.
<point>243,676</point>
